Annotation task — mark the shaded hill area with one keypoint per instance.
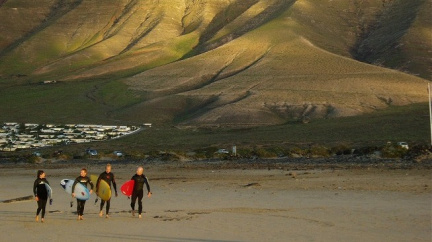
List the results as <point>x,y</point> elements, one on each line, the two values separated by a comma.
<point>238,62</point>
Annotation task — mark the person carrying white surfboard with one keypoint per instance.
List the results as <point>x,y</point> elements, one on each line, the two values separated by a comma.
<point>84,180</point>
<point>107,176</point>
<point>138,190</point>
<point>41,194</point>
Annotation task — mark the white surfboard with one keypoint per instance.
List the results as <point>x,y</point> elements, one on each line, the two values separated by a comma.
<point>49,190</point>
<point>81,192</point>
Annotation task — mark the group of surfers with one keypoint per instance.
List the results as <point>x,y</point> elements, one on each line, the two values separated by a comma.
<point>41,193</point>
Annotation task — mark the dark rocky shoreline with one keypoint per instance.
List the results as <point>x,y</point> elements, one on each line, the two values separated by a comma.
<point>285,163</point>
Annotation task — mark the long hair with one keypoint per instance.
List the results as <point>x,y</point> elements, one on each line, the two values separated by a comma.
<point>40,172</point>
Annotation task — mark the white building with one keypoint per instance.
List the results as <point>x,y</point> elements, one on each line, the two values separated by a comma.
<point>51,141</point>
<point>109,127</point>
<point>21,146</point>
<point>80,140</point>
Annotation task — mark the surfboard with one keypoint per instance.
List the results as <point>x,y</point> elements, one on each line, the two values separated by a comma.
<point>81,192</point>
<point>49,190</point>
<point>127,188</point>
<point>104,189</point>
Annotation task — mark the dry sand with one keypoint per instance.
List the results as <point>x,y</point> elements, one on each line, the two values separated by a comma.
<point>229,205</point>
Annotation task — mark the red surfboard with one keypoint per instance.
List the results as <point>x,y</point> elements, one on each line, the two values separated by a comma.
<point>127,188</point>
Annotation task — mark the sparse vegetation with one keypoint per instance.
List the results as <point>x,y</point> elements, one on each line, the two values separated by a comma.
<point>261,63</point>
<point>393,151</point>
<point>33,159</point>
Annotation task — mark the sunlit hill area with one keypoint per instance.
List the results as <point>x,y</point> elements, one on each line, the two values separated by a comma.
<point>220,63</point>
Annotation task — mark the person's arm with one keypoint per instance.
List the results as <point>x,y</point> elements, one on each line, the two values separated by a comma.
<point>97,183</point>
<point>133,188</point>
<point>91,184</point>
<point>133,178</point>
<point>73,187</point>
<point>35,187</point>
<point>114,185</point>
<point>148,186</point>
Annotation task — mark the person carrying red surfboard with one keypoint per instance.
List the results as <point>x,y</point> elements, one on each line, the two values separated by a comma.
<point>41,194</point>
<point>138,190</point>
<point>107,176</point>
<point>83,179</point>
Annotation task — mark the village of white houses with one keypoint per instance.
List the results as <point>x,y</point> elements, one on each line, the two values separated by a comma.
<point>15,136</point>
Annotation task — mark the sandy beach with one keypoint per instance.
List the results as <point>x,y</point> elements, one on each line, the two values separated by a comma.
<point>214,204</point>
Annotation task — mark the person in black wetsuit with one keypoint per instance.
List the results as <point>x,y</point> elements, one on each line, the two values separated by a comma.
<point>83,179</point>
<point>107,176</point>
<point>41,194</point>
<point>138,190</point>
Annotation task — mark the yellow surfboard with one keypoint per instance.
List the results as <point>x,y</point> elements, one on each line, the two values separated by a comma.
<point>104,189</point>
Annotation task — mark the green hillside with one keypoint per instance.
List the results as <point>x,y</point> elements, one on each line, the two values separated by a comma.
<point>211,63</point>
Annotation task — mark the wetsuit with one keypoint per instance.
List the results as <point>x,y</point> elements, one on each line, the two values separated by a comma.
<point>41,192</point>
<point>81,203</point>
<point>109,178</point>
<point>138,190</point>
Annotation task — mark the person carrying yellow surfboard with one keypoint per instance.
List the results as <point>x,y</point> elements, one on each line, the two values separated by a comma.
<point>107,176</point>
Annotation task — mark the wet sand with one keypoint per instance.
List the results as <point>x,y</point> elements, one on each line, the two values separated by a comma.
<point>214,204</point>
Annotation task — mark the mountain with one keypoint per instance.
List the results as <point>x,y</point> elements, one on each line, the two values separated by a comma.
<point>211,62</point>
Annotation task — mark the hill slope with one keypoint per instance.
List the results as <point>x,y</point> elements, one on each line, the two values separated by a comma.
<point>243,62</point>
